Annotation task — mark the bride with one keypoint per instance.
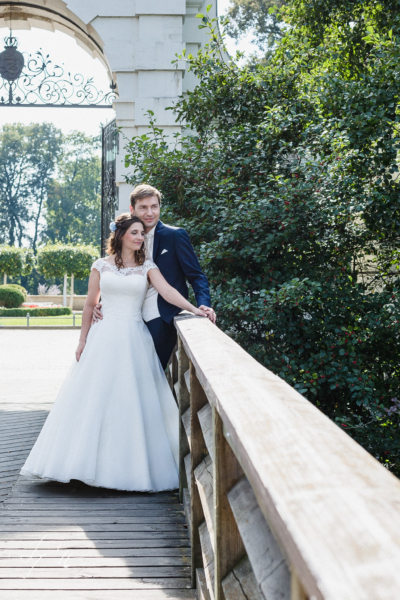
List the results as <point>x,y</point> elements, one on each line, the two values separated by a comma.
<point>115,423</point>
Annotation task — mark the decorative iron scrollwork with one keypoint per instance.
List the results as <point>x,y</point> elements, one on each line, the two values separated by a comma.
<point>33,81</point>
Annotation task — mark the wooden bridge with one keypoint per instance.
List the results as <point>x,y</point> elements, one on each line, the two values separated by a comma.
<point>275,501</point>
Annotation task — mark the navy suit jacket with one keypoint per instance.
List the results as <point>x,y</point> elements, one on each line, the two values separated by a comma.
<point>174,256</point>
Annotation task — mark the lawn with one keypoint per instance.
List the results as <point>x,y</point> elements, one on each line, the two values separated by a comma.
<point>36,321</point>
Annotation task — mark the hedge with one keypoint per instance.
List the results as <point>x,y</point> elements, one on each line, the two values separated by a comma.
<point>18,287</point>
<point>35,312</point>
<point>11,297</point>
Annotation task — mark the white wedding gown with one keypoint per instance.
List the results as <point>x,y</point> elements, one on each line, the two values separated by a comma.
<point>114,423</point>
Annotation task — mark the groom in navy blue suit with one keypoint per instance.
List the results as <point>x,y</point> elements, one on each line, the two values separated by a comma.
<point>171,250</point>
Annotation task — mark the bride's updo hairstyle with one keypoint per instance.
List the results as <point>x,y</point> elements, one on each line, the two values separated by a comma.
<point>114,242</point>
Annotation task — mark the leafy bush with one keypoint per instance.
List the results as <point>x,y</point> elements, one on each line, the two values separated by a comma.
<point>56,259</point>
<point>20,288</point>
<point>289,195</point>
<point>16,261</point>
<point>35,312</point>
<point>11,296</point>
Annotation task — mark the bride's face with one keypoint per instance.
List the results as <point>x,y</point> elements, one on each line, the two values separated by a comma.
<point>133,238</point>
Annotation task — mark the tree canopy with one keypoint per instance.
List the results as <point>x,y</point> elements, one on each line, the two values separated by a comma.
<point>289,189</point>
<point>49,186</point>
<point>49,190</point>
<point>73,206</point>
<point>259,17</point>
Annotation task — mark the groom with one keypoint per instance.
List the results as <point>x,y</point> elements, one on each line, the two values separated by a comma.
<point>171,250</point>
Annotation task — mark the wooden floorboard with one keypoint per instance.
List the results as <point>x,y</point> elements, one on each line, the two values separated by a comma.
<point>71,541</point>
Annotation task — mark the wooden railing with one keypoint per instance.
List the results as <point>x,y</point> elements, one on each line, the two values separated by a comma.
<point>280,502</point>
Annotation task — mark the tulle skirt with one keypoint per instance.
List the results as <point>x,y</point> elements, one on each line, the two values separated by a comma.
<point>114,423</point>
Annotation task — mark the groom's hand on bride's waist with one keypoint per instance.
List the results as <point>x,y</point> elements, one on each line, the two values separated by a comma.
<point>97,314</point>
<point>210,313</point>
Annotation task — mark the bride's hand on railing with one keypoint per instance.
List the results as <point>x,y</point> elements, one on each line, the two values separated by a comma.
<point>198,312</point>
<point>209,312</point>
<point>79,350</point>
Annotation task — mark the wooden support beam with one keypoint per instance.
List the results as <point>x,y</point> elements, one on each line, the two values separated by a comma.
<point>184,405</point>
<point>228,544</point>
<point>297,591</point>
<point>198,452</point>
<point>174,370</point>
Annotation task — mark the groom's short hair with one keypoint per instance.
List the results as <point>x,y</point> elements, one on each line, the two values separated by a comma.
<point>144,191</point>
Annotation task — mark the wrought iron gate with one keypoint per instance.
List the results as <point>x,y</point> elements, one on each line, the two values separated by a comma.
<point>109,189</point>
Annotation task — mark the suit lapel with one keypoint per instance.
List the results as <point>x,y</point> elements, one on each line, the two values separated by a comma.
<point>157,237</point>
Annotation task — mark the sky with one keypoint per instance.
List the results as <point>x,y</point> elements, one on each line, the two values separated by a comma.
<point>63,50</point>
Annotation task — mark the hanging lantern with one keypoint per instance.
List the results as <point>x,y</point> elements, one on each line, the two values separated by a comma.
<point>11,60</point>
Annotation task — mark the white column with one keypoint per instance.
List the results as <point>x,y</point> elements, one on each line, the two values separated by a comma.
<point>71,298</point>
<point>65,289</point>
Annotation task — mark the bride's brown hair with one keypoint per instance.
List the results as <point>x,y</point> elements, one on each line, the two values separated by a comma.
<point>114,242</point>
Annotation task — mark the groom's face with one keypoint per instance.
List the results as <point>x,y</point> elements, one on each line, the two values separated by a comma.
<point>148,210</point>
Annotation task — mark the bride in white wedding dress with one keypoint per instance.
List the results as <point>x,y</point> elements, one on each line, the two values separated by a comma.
<point>115,423</point>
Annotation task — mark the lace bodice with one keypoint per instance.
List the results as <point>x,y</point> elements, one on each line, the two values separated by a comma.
<point>102,266</point>
<point>121,295</point>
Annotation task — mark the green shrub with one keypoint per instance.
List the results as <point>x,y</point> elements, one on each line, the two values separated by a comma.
<point>10,297</point>
<point>56,259</point>
<point>288,189</point>
<point>19,287</point>
<point>35,312</point>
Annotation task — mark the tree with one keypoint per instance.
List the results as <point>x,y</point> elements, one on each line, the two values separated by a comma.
<point>287,189</point>
<point>57,260</point>
<point>28,156</point>
<point>15,261</point>
<point>73,204</point>
<point>257,16</point>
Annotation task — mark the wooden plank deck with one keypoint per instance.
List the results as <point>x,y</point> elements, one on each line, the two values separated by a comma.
<point>72,541</point>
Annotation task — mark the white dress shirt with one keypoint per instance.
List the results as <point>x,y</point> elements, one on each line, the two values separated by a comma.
<point>150,305</point>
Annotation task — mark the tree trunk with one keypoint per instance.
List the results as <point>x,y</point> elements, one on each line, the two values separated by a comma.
<point>65,289</point>
<point>71,298</point>
<point>5,278</point>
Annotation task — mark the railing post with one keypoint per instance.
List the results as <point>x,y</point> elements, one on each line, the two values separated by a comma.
<point>73,319</point>
<point>27,319</point>
<point>228,545</point>
<point>184,404</point>
<point>198,399</point>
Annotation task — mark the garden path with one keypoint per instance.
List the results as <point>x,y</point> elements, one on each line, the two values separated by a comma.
<point>70,541</point>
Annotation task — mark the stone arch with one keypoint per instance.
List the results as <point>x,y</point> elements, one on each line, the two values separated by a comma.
<point>136,41</point>
<point>53,15</point>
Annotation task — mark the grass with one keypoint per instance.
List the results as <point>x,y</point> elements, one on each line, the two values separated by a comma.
<point>65,320</point>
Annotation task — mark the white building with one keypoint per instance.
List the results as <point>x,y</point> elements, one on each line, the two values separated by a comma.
<point>136,40</point>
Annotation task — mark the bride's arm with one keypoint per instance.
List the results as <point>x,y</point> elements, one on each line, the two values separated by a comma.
<point>91,301</point>
<point>170,294</point>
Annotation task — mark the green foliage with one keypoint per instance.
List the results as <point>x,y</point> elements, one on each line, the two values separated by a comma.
<point>290,193</point>
<point>56,259</point>
<point>28,156</point>
<point>260,17</point>
<point>20,288</point>
<point>73,205</point>
<point>10,296</point>
<point>16,261</point>
<point>35,312</point>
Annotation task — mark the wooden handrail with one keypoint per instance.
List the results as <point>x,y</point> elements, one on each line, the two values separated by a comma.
<point>279,498</point>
